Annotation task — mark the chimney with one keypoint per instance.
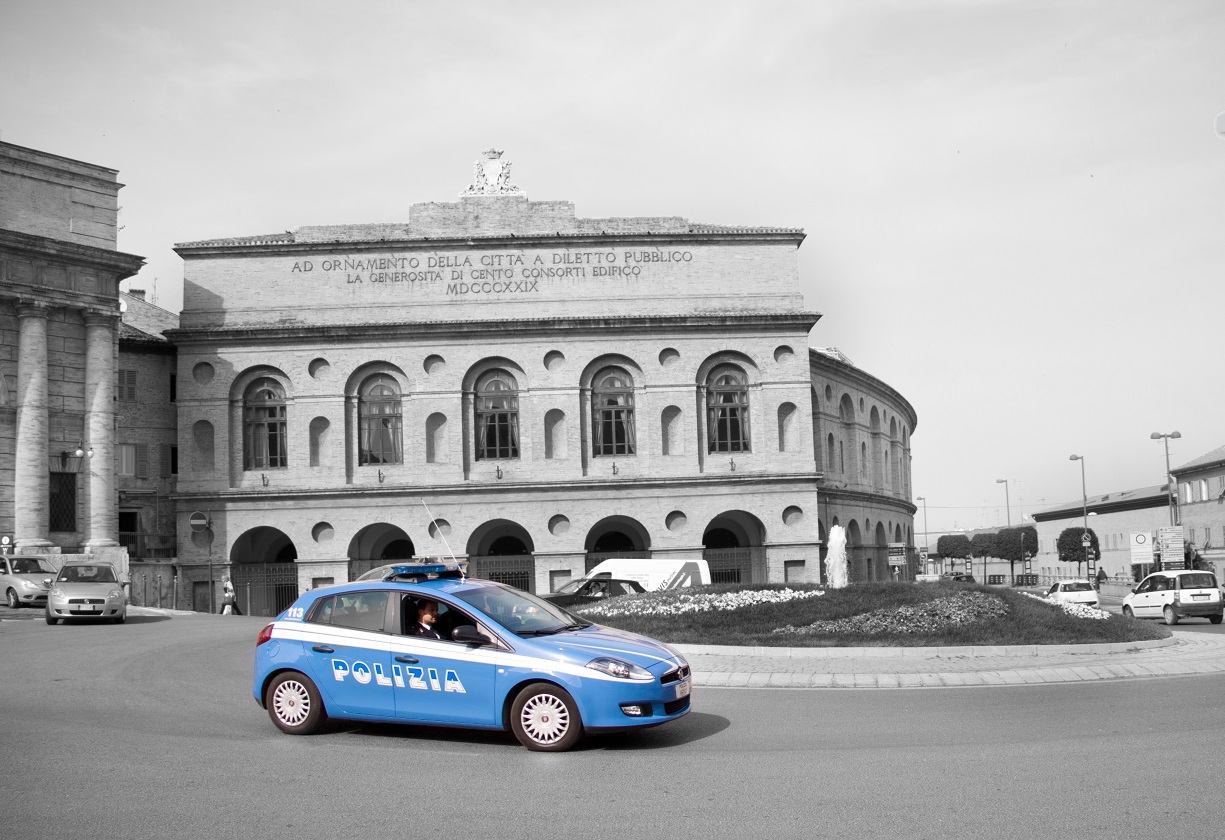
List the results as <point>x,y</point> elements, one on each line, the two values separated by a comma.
<point>139,294</point>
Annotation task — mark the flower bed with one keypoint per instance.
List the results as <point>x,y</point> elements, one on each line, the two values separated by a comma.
<point>678,602</point>
<point>932,617</point>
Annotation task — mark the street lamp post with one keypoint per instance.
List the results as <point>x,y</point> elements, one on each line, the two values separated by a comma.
<point>1169,479</point>
<point>1085,507</point>
<point>926,538</point>
<point>1007,503</point>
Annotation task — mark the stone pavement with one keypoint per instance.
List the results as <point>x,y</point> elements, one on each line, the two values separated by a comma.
<point>1185,653</point>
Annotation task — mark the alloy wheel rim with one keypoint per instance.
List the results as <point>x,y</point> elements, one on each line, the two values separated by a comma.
<point>545,718</point>
<point>291,702</point>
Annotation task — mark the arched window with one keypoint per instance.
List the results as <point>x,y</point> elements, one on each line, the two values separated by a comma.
<point>263,416</point>
<point>497,416</point>
<point>612,413</point>
<point>380,420</point>
<point>727,410</point>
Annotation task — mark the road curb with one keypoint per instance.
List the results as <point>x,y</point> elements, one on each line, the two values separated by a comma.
<point>964,651</point>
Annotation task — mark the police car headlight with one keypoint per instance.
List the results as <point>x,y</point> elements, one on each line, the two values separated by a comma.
<point>57,592</point>
<point>114,594</point>
<point>620,669</point>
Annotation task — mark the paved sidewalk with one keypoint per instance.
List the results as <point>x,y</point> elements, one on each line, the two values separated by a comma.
<point>1185,653</point>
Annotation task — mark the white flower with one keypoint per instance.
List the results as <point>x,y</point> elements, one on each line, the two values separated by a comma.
<point>1076,610</point>
<point>676,602</point>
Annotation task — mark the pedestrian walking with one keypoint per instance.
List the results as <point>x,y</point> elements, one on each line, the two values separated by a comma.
<point>229,602</point>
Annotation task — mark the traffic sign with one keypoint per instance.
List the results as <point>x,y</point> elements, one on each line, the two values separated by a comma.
<point>1085,539</point>
<point>198,522</point>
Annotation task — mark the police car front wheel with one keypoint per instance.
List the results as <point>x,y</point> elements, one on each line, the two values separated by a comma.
<point>545,717</point>
<point>294,703</point>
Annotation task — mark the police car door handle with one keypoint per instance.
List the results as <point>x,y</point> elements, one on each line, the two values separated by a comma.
<point>323,649</point>
<point>406,659</point>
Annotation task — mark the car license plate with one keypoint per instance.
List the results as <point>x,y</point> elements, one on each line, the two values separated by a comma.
<point>89,607</point>
<point>1199,597</point>
<point>682,690</point>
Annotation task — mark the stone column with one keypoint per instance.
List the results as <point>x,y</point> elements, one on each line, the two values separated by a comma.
<point>103,520</point>
<point>31,470</point>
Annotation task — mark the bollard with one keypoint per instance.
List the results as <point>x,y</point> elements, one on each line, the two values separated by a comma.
<point>144,589</point>
<point>159,590</point>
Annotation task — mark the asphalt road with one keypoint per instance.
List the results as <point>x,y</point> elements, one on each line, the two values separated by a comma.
<point>149,730</point>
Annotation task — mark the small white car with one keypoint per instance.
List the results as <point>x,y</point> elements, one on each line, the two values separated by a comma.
<point>1073,592</point>
<point>25,580</point>
<point>1176,594</point>
<point>87,590</point>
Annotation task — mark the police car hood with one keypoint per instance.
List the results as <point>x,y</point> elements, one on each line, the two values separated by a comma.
<point>581,646</point>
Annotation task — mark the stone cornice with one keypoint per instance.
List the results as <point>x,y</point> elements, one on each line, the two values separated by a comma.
<point>33,247</point>
<point>866,497</point>
<point>588,485</point>
<point>281,246</point>
<point>767,321</point>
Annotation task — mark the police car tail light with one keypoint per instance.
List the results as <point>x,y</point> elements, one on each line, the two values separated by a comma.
<point>619,669</point>
<point>265,635</point>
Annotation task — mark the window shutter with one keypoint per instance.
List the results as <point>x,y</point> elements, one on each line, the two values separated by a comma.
<point>165,460</point>
<point>127,385</point>
<point>142,460</point>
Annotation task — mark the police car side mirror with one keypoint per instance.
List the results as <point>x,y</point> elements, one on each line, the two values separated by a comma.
<point>468,635</point>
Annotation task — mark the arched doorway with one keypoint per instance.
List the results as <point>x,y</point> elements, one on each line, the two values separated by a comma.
<point>263,571</point>
<point>376,545</point>
<point>733,547</point>
<point>501,550</point>
<point>616,536</point>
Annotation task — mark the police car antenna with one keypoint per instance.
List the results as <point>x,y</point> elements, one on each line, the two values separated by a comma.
<point>444,539</point>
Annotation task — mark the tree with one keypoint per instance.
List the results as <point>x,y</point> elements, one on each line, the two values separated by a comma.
<point>953,546</point>
<point>1015,544</point>
<point>1072,550</point>
<point>982,544</point>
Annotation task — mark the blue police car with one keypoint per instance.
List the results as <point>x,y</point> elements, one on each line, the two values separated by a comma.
<point>422,643</point>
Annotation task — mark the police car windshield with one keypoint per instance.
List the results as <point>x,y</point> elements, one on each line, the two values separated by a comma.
<point>519,612</point>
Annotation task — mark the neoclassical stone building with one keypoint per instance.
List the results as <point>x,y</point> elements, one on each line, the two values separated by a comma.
<point>59,322</point>
<point>501,380</point>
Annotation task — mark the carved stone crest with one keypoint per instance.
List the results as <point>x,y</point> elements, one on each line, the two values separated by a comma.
<point>491,176</point>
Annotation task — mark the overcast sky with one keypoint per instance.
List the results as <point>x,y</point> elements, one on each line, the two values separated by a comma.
<point>1014,210</point>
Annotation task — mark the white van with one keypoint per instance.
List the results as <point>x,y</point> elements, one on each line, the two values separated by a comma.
<point>654,574</point>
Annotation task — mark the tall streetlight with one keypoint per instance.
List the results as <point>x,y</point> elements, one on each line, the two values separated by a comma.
<point>926,538</point>
<point>1085,505</point>
<point>1169,479</point>
<point>1007,504</point>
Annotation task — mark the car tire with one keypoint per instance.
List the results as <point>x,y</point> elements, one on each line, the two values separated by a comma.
<point>121,618</point>
<point>52,620</point>
<point>294,703</point>
<point>1127,613</point>
<point>10,598</point>
<point>1169,616</point>
<point>1216,619</point>
<point>545,718</point>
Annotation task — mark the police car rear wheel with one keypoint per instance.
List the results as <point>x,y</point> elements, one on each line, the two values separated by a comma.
<point>545,718</point>
<point>294,704</point>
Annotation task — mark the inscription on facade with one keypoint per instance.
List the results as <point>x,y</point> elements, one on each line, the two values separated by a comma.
<point>496,273</point>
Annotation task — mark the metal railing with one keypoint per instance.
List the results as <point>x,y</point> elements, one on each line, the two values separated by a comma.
<point>148,546</point>
<point>736,565</point>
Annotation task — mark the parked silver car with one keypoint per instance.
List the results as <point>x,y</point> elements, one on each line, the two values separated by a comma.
<point>87,590</point>
<point>25,579</point>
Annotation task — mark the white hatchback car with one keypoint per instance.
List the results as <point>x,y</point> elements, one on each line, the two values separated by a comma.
<point>1073,592</point>
<point>1176,594</point>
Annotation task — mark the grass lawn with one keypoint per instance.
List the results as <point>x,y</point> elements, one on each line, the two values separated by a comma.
<point>862,615</point>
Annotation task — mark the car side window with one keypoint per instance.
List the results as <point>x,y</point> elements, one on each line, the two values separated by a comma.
<point>358,610</point>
